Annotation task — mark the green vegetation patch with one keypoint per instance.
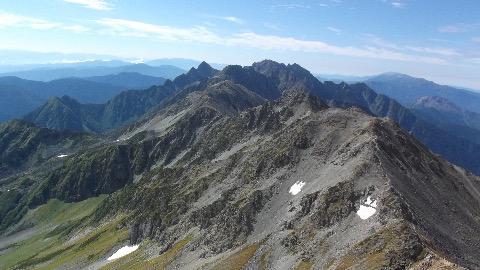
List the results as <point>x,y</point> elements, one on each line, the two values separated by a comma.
<point>61,236</point>
<point>395,247</point>
<point>304,265</point>
<point>238,260</point>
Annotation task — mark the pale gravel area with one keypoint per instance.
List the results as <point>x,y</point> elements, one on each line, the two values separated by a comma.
<point>159,124</point>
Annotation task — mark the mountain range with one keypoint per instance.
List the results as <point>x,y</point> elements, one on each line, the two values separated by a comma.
<point>21,96</point>
<point>49,74</point>
<point>406,90</point>
<point>254,167</point>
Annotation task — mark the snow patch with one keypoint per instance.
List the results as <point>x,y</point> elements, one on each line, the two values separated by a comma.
<point>367,209</point>
<point>62,156</point>
<point>297,187</point>
<point>122,252</point>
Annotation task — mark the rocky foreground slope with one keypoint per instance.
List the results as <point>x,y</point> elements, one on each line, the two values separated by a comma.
<point>287,184</point>
<point>284,183</point>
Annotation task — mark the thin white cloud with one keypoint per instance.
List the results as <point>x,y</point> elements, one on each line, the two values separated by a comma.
<point>72,61</point>
<point>439,51</point>
<point>475,39</point>
<point>291,44</point>
<point>19,21</point>
<point>423,50</point>
<point>271,26</point>
<point>474,60</point>
<point>444,40</point>
<point>398,4</point>
<point>76,28</point>
<point>209,24</point>
<point>395,4</point>
<point>201,34</point>
<point>288,7</point>
<point>92,4</point>
<point>13,20</point>
<point>381,42</point>
<point>335,30</point>
<point>459,27</point>
<point>139,29</point>
<point>233,19</point>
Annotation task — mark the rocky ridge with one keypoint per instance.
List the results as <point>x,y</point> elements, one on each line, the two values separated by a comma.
<point>219,177</point>
<point>233,191</point>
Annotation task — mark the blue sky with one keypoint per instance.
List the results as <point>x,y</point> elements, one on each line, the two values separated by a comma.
<point>438,40</point>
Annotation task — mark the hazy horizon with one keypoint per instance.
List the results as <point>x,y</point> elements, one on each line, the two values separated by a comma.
<point>438,41</point>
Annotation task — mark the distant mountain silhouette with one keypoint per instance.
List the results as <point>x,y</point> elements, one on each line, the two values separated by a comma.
<point>406,90</point>
<point>128,80</point>
<point>80,89</point>
<point>16,101</point>
<point>49,74</point>
<point>448,116</point>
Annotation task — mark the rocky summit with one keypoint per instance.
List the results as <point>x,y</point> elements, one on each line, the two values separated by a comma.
<point>221,178</point>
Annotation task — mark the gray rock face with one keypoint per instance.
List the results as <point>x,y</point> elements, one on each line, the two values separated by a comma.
<point>288,180</point>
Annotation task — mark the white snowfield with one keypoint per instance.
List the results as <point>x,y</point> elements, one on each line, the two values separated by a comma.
<point>367,209</point>
<point>296,188</point>
<point>122,252</point>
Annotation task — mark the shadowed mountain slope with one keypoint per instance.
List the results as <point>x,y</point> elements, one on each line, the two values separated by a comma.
<point>23,144</point>
<point>16,102</point>
<point>68,114</point>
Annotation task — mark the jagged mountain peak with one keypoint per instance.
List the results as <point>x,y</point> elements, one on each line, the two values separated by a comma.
<point>206,70</point>
<point>270,67</point>
<point>203,71</point>
<point>302,98</point>
<point>169,84</point>
<point>268,64</point>
<point>271,79</point>
<point>66,99</point>
<point>232,70</point>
